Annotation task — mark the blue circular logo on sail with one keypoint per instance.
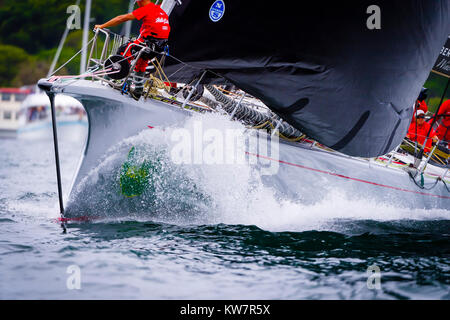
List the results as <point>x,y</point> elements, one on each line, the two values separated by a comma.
<point>217,10</point>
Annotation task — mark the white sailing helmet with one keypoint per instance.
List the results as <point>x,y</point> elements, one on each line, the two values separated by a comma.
<point>420,113</point>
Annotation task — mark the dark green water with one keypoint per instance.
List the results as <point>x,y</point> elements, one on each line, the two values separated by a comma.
<point>295,252</point>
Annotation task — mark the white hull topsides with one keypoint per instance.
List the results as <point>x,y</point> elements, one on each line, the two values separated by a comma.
<point>305,172</point>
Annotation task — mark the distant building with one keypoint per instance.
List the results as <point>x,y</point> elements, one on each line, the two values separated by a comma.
<point>10,102</point>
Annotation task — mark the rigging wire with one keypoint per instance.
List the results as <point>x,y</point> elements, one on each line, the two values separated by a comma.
<point>87,44</point>
<point>421,184</point>
<point>446,186</point>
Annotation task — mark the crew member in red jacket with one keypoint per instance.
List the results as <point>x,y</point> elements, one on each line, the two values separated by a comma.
<point>419,132</point>
<point>154,33</point>
<point>420,103</point>
<point>444,112</point>
<point>443,131</point>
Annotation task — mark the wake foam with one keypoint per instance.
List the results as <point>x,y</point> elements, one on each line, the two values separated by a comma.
<point>213,194</point>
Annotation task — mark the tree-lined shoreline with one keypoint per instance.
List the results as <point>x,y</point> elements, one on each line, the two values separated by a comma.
<point>30,31</point>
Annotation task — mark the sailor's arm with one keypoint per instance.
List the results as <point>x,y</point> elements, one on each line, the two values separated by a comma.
<point>116,21</point>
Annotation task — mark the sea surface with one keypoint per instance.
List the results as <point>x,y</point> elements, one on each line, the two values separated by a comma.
<point>337,249</point>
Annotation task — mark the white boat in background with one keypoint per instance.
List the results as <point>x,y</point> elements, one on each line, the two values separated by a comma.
<point>10,103</point>
<point>35,118</point>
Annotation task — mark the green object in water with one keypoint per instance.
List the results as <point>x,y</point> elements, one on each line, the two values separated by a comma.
<point>134,175</point>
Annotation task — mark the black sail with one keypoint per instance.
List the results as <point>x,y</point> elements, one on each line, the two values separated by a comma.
<point>319,66</point>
